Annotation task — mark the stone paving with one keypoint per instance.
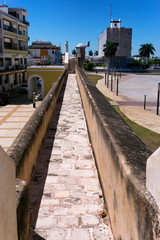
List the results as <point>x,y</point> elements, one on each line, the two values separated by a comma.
<point>131,103</point>
<point>65,195</point>
<point>12,120</point>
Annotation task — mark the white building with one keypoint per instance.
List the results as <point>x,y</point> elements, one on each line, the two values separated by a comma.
<point>13,46</point>
<point>43,53</point>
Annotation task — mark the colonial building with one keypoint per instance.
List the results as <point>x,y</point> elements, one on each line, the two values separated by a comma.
<point>13,47</point>
<point>121,36</point>
<point>44,53</point>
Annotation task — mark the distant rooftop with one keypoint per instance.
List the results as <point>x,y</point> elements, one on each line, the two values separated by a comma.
<point>42,44</point>
<point>17,10</point>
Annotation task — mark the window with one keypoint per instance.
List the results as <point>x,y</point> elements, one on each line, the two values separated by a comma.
<point>15,80</point>
<point>1,62</point>
<point>52,52</point>
<point>0,45</point>
<point>1,81</point>
<point>19,79</point>
<point>24,19</point>
<point>6,25</point>
<point>16,61</point>
<point>23,77</point>
<point>7,79</point>
<point>8,62</point>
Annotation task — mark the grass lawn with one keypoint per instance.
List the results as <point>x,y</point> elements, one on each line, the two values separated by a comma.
<point>94,78</point>
<point>150,138</point>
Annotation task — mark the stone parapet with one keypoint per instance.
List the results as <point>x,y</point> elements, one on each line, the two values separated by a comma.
<point>25,148</point>
<point>121,159</point>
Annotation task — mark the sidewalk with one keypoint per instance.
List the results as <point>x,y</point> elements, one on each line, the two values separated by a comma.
<point>131,108</point>
<point>12,120</point>
<point>65,192</point>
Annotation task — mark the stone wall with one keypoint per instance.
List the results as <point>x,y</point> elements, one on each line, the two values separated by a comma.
<point>8,224</point>
<point>25,149</point>
<point>121,161</point>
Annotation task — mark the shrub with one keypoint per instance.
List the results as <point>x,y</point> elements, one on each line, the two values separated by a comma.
<point>88,66</point>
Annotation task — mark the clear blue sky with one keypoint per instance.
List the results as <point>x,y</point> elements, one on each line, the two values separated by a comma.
<point>82,21</point>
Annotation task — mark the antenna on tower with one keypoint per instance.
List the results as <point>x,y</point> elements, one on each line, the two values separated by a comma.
<point>110,10</point>
<point>4,2</point>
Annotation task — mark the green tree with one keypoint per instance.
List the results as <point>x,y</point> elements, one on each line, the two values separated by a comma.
<point>90,52</point>
<point>74,52</point>
<point>88,66</point>
<point>96,53</point>
<point>109,50</point>
<point>146,50</point>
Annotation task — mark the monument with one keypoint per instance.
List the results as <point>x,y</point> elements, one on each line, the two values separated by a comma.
<point>80,54</point>
<point>66,60</point>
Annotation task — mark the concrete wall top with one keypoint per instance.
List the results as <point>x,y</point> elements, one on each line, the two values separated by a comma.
<point>121,159</point>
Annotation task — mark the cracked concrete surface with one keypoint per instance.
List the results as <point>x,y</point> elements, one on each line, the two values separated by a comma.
<point>65,194</point>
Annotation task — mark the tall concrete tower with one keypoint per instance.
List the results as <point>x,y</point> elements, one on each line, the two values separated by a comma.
<point>120,35</point>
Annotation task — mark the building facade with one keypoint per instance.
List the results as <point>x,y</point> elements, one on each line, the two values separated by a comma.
<point>121,36</point>
<point>13,47</point>
<point>43,53</point>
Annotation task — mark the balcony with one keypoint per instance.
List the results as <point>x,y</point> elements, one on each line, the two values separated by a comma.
<point>7,45</point>
<point>6,27</point>
<point>9,28</point>
<point>0,47</point>
<point>20,32</point>
<point>27,23</point>
<point>23,48</point>
<point>10,48</point>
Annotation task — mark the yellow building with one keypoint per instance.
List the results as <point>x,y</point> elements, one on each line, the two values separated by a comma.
<point>47,74</point>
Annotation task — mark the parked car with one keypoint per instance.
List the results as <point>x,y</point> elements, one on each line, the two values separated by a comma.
<point>4,98</point>
<point>23,88</point>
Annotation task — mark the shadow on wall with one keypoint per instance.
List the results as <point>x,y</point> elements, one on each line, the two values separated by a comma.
<point>40,171</point>
<point>37,237</point>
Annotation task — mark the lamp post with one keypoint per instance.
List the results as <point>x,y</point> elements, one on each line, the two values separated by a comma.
<point>158,98</point>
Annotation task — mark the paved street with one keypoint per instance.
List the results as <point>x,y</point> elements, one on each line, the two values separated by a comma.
<point>14,116</point>
<point>132,88</point>
<point>65,195</point>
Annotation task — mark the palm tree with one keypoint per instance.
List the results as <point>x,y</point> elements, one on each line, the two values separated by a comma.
<point>74,52</point>
<point>109,50</point>
<point>90,52</point>
<point>146,50</point>
<point>96,53</point>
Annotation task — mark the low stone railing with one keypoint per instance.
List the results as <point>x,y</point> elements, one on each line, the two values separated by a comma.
<point>121,160</point>
<point>25,149</point>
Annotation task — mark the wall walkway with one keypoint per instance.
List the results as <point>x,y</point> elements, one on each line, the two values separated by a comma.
<point>71,203</point>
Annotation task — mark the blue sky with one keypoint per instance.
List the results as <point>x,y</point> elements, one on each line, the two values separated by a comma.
<point>83,21</point>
